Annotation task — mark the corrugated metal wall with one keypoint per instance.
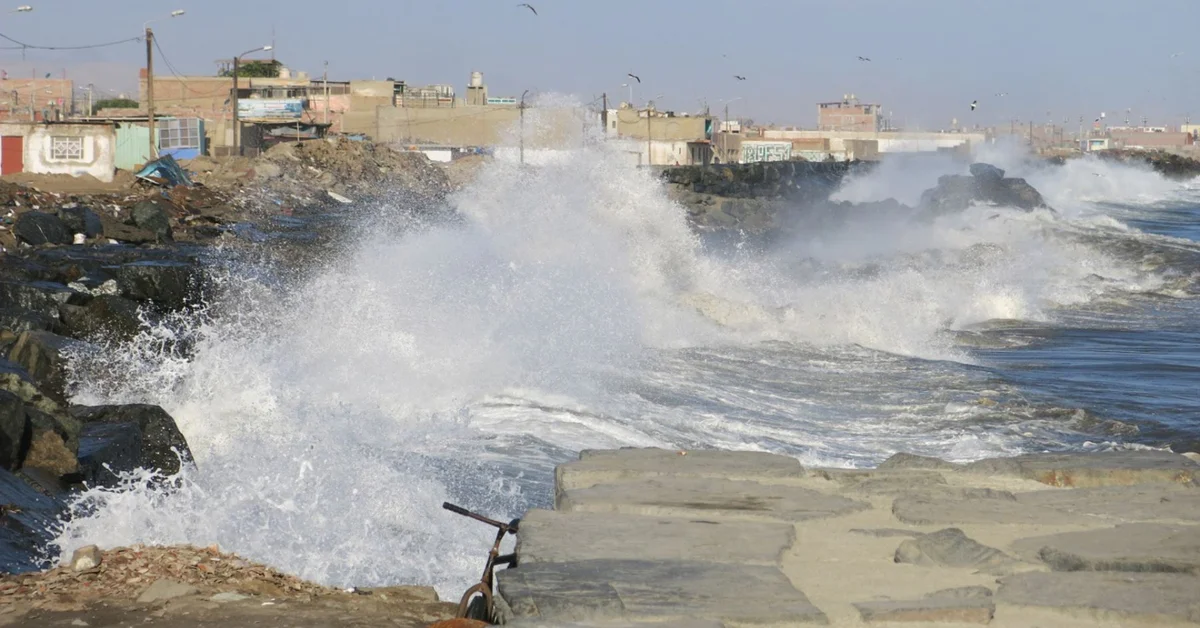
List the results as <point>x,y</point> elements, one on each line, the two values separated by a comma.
<point>133,146</point>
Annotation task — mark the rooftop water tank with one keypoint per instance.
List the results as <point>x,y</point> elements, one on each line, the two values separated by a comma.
<point>285,73</point>
<point>476,79</point>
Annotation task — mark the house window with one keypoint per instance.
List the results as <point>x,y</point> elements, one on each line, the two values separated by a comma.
<point>66,148</point>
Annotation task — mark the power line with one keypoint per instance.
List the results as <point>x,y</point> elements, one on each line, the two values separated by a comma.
<point>24,46</point>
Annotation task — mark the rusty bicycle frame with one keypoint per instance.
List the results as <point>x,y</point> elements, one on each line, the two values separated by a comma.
<point>477,603</point>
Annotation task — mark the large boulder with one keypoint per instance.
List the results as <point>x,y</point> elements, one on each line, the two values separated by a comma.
<point>106,316</point>
<point>129,234</point>
<point>16,321</point>
<point>12,429</point>
<point>53,442</point>
<point>157,444</point>
<point>44,356</point>
<point>150,216</point>
<point>986,172</point>
<point>986,184</point>
<point>80,219</point>
<point>39,296</point>
<point>41,228</point>
<point>169,285</point>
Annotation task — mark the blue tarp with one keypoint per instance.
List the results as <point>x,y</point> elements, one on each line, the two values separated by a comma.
<point>167,169</point>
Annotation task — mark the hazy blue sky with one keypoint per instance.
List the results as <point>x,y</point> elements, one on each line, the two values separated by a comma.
<point>930,58</point>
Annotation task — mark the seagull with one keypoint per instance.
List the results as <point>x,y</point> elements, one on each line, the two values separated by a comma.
<point>1001,93</point>
<point>634,77</point>
<point>864,59</point>
<point>1175,54</point>
<point>974,104</point>
<point>740,78</point>
<point>528,6</point>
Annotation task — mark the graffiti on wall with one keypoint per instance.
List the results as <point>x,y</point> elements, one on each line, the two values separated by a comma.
<point>753,152</point>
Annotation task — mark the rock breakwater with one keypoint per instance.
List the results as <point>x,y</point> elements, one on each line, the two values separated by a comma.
<point>718,538</point>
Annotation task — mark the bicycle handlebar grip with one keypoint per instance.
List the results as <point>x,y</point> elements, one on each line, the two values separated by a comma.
<point>458,509</point>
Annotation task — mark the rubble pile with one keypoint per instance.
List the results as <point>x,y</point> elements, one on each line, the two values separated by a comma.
<point>126,573</point>
<point>319,173</point>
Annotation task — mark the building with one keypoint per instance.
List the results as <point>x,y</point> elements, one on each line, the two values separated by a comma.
<point>861,144</point>
<point>849,114</point>
<point>34,99</point>
<point>74,148</point>
<point>1153,139</point>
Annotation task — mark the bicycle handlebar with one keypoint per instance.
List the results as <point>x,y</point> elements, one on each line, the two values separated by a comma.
<point>507,527</point>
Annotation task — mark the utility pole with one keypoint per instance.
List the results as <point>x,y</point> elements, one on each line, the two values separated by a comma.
<point>522,108</point>
<point>649,144</point>
<point>237,128</point>
<point>725,136</point>
<point>1031,133</point>
<point>604,115</point>
<point>325,89</point>
<point>150,92</point>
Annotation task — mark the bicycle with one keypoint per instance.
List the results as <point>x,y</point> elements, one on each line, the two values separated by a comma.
<point>477,602</point>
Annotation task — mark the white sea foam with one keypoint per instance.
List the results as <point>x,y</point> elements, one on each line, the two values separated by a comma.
<point>574,308</point>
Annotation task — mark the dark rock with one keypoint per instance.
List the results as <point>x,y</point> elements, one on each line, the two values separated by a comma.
<point>81,220</point>
<point>41,228</point>
<point>150,216</point>
<point>169,285</point>
<point>105,316</point>
<point>950,548</point>
<point>53,443</point>
<point>107,450</point>
<point>39,296</point>
<point>43,355</point>
<point>23,534</point>
<point>957,192</point>
<point>986,172</point>
<point>17,321</point>
<point>12,429</point>
<point>162,444</point>
<point>129,234</point>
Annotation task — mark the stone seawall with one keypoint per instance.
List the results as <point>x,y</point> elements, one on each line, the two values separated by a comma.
<point>749,196</point>
<point>715,538</point>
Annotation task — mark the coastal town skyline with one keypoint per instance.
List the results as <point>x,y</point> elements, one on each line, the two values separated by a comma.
<point>924,64</point>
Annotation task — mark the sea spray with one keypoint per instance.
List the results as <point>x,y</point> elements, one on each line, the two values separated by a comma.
<point>569,307</point>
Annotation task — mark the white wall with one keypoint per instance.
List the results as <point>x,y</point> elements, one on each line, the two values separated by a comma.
<point>889,141</point>
<point>99,150</point>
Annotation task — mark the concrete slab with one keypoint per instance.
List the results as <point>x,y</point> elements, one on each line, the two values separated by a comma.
<point>1161,502</point>
<point>1145,598</point>
<point>921,510</point>
<point>707,499</point>
<point>619,623</point>
<point>552,536</point>
<point>964,605</point>
<point>1083,470</point>
<point>886,482</point>
<point>913,461</point>
<point>600,590</point>
<point>1140,547</point>
<point>625,465</point>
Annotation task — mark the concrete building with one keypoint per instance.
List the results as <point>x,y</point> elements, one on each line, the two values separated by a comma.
<point>34,99</point>
<point>849,114</point>
<point>74,148</point>
<point>841,142</point>
<point>1156,139</point>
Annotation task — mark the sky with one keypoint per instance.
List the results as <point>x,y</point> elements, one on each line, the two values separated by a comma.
<point>1053,60</point>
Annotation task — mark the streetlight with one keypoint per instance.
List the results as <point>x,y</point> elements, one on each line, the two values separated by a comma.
<point>630,86</point>
<point>237,129</point>
<point>24,8</point>
<point>150,78</point>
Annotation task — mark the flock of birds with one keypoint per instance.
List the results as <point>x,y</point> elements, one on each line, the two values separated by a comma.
<point>739,77</point>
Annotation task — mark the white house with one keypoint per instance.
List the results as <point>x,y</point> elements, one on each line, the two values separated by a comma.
<point>74,148</point>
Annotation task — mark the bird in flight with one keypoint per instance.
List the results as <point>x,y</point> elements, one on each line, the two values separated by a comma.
<point>528,6</point>
<point>1176,54</point>
<point>974,104</point>
<point>739,77</point>
<point>864,58</point>
<point>634,77</point>
<point>1001,93</point>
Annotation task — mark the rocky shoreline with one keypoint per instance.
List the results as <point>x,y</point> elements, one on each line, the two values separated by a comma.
<point>722,538</point>
<point>86,267</point>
